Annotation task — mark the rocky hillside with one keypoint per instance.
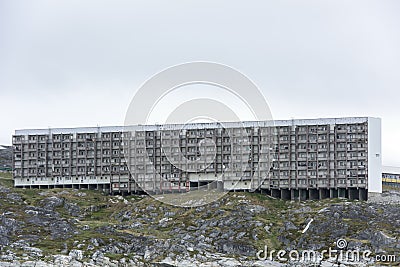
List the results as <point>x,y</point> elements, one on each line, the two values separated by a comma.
<point>86,228</point>
<point>5,156</point>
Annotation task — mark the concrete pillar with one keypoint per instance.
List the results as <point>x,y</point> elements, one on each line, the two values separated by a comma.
<point>333,193</point>
<point>362,194</point>
<point>294,194</point>
<point>303,194</point>
<point>323,193</point>
<point>220,186</point>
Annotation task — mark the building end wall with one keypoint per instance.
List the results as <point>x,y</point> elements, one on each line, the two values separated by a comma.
<point>374,156</point>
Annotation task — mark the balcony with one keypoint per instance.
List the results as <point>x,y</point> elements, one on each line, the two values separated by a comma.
<point>341,130</point>
<point>17,141</point>
<point>352,184</point>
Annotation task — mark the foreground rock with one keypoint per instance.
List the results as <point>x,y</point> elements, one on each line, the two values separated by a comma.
<point>85,228</point>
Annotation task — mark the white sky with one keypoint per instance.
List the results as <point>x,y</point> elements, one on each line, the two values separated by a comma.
<point>78,63</point>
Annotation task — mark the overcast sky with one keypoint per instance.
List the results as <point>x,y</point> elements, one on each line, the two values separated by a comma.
<point>78,63</point>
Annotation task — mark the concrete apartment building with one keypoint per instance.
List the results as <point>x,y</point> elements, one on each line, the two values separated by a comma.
<point>289,159</point>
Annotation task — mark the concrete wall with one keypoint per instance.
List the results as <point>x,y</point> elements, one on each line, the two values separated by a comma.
<point>374,156</point>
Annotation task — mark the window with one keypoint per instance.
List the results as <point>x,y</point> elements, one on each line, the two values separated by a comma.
<point>313,137</point>
<point>302,137</point>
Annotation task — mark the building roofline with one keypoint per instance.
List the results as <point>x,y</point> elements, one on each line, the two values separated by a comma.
<point>97,129</point>
<point>391,169</point>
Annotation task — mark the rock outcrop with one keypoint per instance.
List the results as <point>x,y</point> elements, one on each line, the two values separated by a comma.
<point>63,227</point>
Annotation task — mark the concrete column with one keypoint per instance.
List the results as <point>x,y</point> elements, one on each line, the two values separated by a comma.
<point>323,193</point>
<point>303,194</point>
<point>362,194</point>
<point>294,194</point>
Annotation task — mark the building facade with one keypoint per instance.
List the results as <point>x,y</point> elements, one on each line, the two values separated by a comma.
<point>290,159</point>
<point>391,176</point>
